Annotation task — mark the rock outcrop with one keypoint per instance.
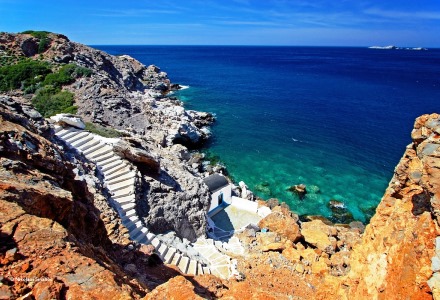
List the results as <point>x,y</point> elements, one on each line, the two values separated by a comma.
<point>393,261</point>
<point>53,242</point>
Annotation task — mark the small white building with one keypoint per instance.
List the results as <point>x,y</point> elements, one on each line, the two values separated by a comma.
<point>220,190</point>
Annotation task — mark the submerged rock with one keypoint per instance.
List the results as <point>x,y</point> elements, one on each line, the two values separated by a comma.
<point>340,213</point>
<point>298,189</point>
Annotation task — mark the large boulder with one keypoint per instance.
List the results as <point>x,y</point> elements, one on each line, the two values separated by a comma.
<point>145,161</point>
<point>283,225</point>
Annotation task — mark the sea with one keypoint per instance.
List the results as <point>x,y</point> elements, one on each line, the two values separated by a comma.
<point>335,119</point>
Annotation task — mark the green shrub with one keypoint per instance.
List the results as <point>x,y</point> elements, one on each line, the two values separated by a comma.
<point>66,75</point>
<point>22,74</point>
<point>103,131</point>
<point>50,101</point>
<point>44,40</point>
<point>37,34</point>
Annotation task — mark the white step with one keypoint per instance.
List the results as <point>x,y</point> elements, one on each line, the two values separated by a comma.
<point>112,165</point>
<point>116,173</point>
<point>128,213</point>
<point>155,242</point>
<point>123,193</point>
<point>192,268</point>
<point>183,264</point>
<point>130,221</point>
<point>126,207</point>
<point>66,131</point>
<point>125,200</point>
<point>150,237</point>
<point>114,169</point>
<point>57,128</point>
<point>92,149</point>
<point>109,157</point>
<point>169,256</point>
<point>121,185</point>
<point>82,141</point>
<point>81,136</point>
<point>135,231</point>
<point>71,134</point>
<point>88,145</point>
<point>124,177</point>
<point>176,259</point>
<point>162,250</point>
<point>104,150</point>
<point>206,270</point>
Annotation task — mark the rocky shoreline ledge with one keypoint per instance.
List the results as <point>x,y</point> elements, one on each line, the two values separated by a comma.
<point>63,235</point>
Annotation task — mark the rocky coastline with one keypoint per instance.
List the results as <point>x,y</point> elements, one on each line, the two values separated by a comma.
<point>57,224</point>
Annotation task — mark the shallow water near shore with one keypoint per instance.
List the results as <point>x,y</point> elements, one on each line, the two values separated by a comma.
<point>335,119</point>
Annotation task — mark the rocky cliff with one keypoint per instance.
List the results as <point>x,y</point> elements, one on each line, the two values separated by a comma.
<point>124,94</point>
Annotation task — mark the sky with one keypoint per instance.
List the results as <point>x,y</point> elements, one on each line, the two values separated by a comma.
<point>231,22</point>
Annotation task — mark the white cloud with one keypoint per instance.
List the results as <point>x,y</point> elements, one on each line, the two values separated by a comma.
<point>394,14</point>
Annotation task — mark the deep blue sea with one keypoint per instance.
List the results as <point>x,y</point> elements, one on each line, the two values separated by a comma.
<point>335,119</point>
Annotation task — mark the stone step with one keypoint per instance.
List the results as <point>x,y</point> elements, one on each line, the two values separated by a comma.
<point>221,271</point>
<point>79,136</point>
<point>126,207</point>
<point>142,240</point>
<point>125,200</point>
<point>105,149</point>
<point>105,159</point>
<point>112,165</point>
<point>88,145</point>
<point>123,192</point>
<point>206,270</point>
<point>136,230</point>
<point>82,141</point>
<point>57,128</point>
<point>192,267</point>
<point>115,168</point>
<point>128,213</point>
<point>141,237</point>
<point>183,264</point>
<point>71,134</point>
<point>124,177</point>
<point>150,237</point>
<point>117,173</point>
<point>130,221</point>
<point>169,256</point>
<point>92,149</point>
<point>163,249</point>
<point>155,242</point>
<point>65,131</point>
<point>176,259</point>
<point>121,185</point>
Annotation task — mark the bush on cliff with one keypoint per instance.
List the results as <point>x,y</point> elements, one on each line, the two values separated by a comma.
<point>66,75</point>
<point>23,74</point>
<point>44,40</point>
<point>102,131</point>
<point>50,101</point>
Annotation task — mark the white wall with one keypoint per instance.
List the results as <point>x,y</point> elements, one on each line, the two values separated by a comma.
<point>227,191</point>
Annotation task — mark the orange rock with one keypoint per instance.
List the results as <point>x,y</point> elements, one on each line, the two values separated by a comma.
<point>292,254</point>
<point>177,288</point>
<point>284,225</point>
<point>273,247</point>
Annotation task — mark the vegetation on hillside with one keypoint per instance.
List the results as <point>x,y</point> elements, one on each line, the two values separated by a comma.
<point>50,101</point>
<point>46,81</point>
<point>42,36</point>
<point>103,131</point>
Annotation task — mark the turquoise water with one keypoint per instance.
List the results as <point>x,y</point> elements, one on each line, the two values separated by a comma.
<point>335,119</point>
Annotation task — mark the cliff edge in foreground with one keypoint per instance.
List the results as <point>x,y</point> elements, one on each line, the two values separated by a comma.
<point>397,255</point>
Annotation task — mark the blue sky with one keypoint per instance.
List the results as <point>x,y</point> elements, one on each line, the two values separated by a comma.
<point>231,22</point>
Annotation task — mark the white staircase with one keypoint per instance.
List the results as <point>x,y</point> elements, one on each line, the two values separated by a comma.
<point>120,178</point>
